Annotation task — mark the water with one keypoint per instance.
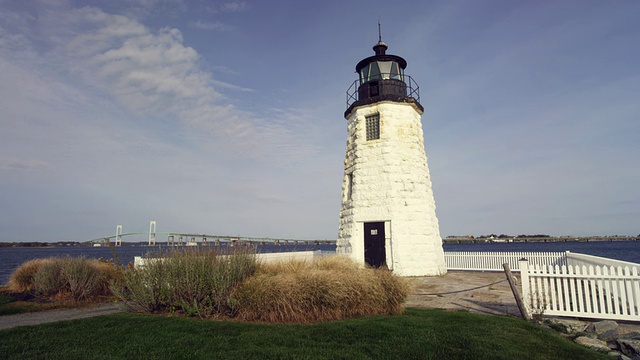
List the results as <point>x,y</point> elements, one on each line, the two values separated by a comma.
<point>11,258</point>
<point>619,250</point>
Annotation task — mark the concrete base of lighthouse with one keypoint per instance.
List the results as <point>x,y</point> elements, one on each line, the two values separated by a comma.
<point>387,193</point>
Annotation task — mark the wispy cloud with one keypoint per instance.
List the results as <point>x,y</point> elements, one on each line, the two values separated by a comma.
<point>100,110</point>
<point>234,6</point>
<point>14,164</point>
<point>152,73</point>
<point>210,26</point>
<point>225,85</point>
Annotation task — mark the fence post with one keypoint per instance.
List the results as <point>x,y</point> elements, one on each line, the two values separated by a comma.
<point>516,294</point>
<point>523,265</point>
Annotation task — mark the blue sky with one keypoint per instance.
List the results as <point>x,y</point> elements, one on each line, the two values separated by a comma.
<point>226,117</point>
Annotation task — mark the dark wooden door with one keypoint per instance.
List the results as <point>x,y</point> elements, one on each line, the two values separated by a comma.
<point>374,252</point>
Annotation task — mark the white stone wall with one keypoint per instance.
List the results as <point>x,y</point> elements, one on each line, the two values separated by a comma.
<point>391,183</point>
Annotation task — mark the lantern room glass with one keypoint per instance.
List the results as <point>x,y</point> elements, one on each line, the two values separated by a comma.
<point>377,70</point>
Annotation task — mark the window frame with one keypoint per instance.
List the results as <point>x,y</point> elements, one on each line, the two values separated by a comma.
<point>372,126</point>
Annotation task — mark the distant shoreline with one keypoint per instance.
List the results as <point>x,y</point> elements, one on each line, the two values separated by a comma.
<point>45,245</point>
<point>447,240</point>
<point>551,239</point>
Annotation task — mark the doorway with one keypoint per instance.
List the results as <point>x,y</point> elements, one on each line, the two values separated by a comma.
<point>374,251</point>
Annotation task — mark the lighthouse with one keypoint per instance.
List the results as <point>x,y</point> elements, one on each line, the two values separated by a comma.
<point>388,213</point>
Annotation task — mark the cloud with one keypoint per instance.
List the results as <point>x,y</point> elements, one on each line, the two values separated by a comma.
<point>234,6</point>
<point>14,164</point>
<point>225,85</point>
<point>112,121</point>
<point>154,75</point>
<point>211,26</point>
<point>229,7</point>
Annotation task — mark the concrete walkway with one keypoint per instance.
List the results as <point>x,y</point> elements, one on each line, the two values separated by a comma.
<point>42,317</point>
<point>481,292</point>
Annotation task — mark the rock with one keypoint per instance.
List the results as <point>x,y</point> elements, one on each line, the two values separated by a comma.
<point>594,344</point>
<point>622,357</point>
<point>629,347</point>
<point>568,326</point>
<point>606,330</point>
<point>630,336</point>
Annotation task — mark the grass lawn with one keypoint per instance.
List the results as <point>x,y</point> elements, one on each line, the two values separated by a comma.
<point>423,334</point>
<point>10,305</point>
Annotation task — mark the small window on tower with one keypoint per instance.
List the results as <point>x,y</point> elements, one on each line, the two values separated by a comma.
<point>373,127</point>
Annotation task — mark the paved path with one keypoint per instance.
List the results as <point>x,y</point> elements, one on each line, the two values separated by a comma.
<point>481,292</point>
<point>9,321</point>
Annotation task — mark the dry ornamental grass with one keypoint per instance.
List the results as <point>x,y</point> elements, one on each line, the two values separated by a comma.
<point>194,282</point>
<point>77,278</point>
<point>213,283</point>
<point>331,288</point>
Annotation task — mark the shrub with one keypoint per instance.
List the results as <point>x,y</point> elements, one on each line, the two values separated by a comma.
<point>195,282</point>
<point>81,277</point>
<point>21,280</point>
<point>48,281</point>
<point>330,288</point>
<point>75,277</point>
<point>109,273</point>
<point>143,287</point>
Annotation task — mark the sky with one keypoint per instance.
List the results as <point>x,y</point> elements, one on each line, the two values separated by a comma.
<point>227,117</point>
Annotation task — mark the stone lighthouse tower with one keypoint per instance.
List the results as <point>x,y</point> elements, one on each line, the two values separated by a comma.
<point>388,213</point>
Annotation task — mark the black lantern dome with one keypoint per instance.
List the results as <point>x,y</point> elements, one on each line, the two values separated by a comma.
<point>382,77</point>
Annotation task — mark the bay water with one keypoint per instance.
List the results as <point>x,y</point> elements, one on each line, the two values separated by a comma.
<point>11,258</point>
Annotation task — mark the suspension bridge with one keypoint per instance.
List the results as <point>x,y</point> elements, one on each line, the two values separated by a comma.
<point>191,239</point>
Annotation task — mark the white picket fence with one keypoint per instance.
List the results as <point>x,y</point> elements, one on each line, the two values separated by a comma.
<point>589,291</point>
<point>576,259</point>
<point>492,261</point>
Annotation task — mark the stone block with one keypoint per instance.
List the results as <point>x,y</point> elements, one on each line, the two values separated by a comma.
<point>569,326</point>
<point>629,347</point>
<point>594,344</point>
<point>606,330</point>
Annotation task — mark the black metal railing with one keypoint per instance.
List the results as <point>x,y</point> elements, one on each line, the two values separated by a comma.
<point>354,93</point>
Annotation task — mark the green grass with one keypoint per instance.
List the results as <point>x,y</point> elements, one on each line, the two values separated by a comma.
<point>9,305</point>
<point>5,305</point>
<point>423,334</point>
<point>12,303</point>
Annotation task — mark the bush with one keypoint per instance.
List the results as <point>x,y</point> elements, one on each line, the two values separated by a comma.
<point>330,288</point>
<point>195,282</point>
<point>48,280</point>
<point>73,277</point>
<point>21,280</point>
<point>82,278</point>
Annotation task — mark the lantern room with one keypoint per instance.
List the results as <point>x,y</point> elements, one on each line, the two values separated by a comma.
<point>381,77</point>
<point>381,66</point>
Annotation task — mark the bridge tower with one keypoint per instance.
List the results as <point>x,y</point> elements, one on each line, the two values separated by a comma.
<point>152,233</point>
<point>388,216</point>
<point>118,239</point>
